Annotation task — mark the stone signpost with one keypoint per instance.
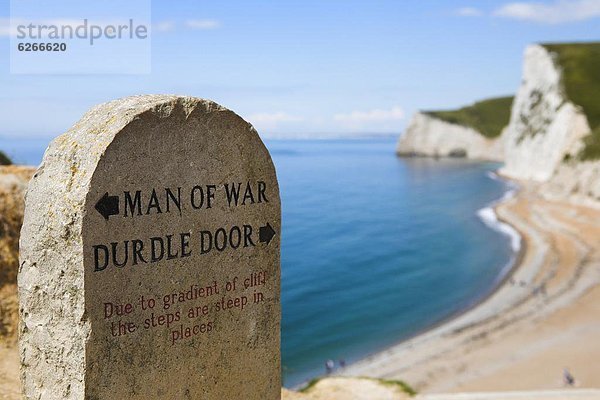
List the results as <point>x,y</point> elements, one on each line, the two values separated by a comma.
<point>150,258</point>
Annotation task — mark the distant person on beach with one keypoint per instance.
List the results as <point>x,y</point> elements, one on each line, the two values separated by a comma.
<point>568,378</point>
<point>329,365</point>
<point>342,363</point>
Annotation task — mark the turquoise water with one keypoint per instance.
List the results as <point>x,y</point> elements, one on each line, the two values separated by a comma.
<point>375,249</point>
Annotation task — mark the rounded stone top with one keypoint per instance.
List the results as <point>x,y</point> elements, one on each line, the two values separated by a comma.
<point>150,257</point>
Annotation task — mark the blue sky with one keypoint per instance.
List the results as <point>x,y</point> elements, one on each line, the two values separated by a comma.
<point>309,68</point>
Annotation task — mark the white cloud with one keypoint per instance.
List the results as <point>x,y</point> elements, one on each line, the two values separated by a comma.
<point>203,24</point>
<point>372,120</point>
<point>164,26</point>
<point>557,12</point>
<point>469,12</point>
<point>271,120</point>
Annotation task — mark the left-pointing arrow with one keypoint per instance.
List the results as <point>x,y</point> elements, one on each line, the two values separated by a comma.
<point>108,205</point>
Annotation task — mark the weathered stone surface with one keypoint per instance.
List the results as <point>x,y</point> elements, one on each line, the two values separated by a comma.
<point>145,181</point>
<point>13,182</point>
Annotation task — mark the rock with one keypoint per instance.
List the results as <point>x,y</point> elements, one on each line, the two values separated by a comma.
<point>458,153</point>
<point>13,182</point>
<point>544,124</point>
<point>150,258</point>
<point>577,182</point>
<point>546,133</point>
<point>430,136</point>
<point>542,141</point>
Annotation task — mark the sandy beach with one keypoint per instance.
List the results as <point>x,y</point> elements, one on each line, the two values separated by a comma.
<point>544,318</point>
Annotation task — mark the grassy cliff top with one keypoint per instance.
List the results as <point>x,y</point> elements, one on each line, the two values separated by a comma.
<point>487,117</point>
<point>580,63</point>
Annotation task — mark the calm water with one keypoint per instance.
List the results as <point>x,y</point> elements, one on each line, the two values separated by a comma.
<point>375,249</point>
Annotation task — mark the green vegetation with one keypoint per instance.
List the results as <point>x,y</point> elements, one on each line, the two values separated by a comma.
<point>488,117</point>
<point>401,385</point>
<point>591,151</point>
<point>4,160</point>
<point>405,387</point>
<point>580,63</point>
<point>310,385</point>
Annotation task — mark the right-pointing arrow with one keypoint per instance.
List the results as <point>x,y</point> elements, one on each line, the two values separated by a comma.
<point>108,205</point>
<point>266,233</point>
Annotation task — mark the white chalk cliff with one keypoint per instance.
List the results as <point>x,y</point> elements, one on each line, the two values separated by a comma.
<point>430,136</point>
<point>546,131</point>
<point>544,125</point>
<point>540,143</point>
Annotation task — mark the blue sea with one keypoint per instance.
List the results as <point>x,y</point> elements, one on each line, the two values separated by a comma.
<point>375,249</point>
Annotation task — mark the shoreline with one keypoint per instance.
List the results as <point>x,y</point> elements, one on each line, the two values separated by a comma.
<point>514,262</point>
<point>417,359</point>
